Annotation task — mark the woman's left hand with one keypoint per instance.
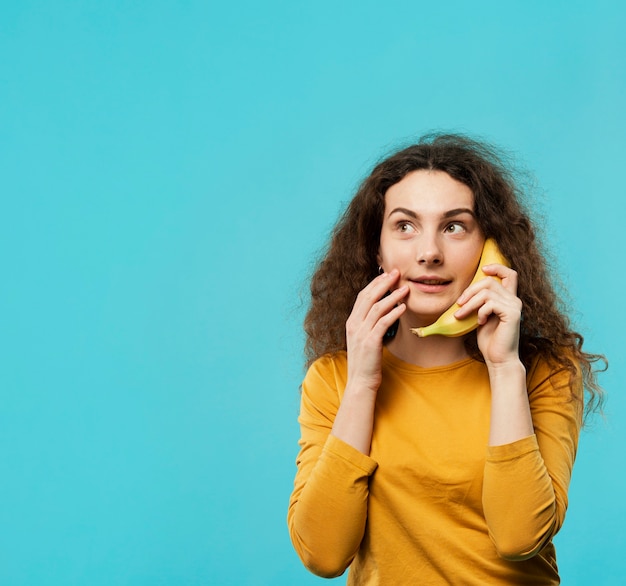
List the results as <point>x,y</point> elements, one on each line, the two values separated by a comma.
<point>499,314</point>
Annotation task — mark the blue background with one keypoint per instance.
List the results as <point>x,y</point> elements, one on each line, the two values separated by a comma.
<point>169,171</point>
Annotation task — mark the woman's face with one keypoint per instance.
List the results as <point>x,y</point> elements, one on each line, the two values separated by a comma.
<point>430,234</point>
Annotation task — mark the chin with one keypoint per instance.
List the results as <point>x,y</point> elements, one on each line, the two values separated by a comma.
<point>421,319</point>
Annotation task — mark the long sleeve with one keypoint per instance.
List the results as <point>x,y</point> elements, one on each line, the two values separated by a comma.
<point>429,502</point>
<point>328,506</point>
<point>526,482</point>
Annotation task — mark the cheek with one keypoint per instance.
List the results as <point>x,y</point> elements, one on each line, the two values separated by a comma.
<point>397,253</point>
<point>471,265</point>
<point>391,251</point>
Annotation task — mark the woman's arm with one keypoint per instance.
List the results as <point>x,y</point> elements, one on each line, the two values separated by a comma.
<point>510,410</point>
<point>328,506</point>
<point>534,426</point>
<point>526,482</point>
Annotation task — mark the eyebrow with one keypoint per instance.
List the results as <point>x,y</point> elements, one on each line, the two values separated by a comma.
<point>448,214</point>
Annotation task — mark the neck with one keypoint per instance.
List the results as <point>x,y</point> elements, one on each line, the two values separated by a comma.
<point>427,352</point>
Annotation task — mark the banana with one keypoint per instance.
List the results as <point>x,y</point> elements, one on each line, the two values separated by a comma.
<point>447,324</point>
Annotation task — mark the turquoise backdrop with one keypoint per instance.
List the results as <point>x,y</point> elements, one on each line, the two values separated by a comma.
<point>169,171</point>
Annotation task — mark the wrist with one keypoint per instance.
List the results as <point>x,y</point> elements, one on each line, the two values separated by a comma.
<point>355,417</point>
<point>511,418</point>
<point>361,390</point>
<point>506,369</point>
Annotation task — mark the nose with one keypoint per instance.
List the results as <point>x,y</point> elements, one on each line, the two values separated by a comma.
<point>429,252</point>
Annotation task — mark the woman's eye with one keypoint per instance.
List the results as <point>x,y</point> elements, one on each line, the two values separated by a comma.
<point>455,228</point>
<point>404,227</point>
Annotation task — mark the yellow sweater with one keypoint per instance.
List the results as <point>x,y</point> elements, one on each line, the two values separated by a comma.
<point>432,504</point>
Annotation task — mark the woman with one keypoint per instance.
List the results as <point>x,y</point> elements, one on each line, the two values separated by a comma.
<point>436,460</point>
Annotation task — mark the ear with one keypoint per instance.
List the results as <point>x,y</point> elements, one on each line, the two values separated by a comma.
<point>379,259</point>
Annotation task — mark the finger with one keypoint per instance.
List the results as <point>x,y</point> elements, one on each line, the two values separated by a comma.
<point>508,282</point>
<point>506,308</point>
<point>484,312</point>
<point>476,299</point>
<point>373,292</point>
<point>388,302</point>
<point>388,319</point>
<point>506,274</point>
<point>380,284</point>
<point>470,302</point>
<point>370,336</point>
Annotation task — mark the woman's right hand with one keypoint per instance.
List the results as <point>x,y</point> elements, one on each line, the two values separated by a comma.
<point>373,314</point>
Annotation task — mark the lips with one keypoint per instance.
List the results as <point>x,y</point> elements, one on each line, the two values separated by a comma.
<point>431,284</point>
<point>432,281</point>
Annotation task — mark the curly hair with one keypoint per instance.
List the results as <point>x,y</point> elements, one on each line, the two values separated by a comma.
<point>349,262</point>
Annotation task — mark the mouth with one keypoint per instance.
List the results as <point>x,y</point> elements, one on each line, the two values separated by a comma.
<point>432,281</point>
<point>431,284</point>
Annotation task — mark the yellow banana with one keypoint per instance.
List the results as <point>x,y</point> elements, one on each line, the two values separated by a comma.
<point>447,324</point>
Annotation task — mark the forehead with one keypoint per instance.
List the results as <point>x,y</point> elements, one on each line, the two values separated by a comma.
<point>429,192</point>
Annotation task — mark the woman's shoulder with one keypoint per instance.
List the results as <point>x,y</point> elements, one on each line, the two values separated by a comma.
<point>328,369</point>
<point>326,378</point>
<point>332,362</point>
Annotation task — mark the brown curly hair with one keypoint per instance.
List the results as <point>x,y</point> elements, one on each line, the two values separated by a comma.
<point>349,262</point>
